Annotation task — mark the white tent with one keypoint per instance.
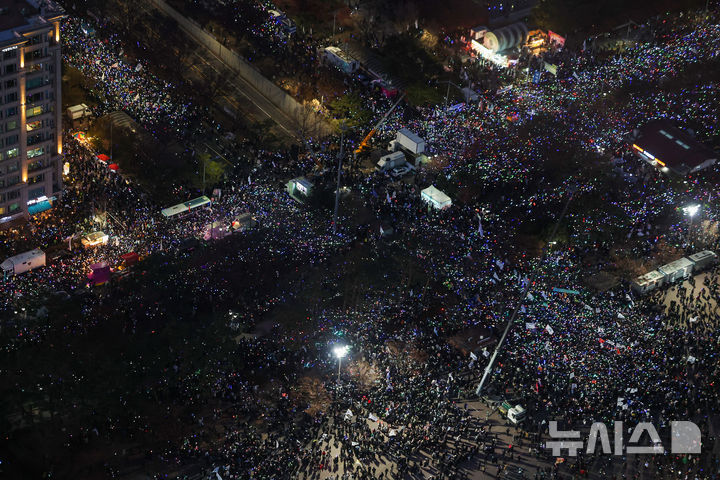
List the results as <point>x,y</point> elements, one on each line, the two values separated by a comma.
<point>435,197</point>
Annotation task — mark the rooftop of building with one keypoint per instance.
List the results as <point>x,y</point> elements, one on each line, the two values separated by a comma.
<point>16,14</point>
<point>672,147</point>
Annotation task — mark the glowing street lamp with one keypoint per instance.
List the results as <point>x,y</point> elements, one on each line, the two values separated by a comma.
<point>690,211</point>
<point>340,351</point>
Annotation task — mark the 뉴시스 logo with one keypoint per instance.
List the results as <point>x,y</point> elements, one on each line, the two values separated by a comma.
<point>684,438</point>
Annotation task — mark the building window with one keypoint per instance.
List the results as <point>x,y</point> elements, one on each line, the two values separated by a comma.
<point>11,140</point>
<point>12,125</point>
<point>32,166</point>
<point>14,208</point>
<point>12,153</point>
<point>36,97</point>
<point>12,111</point>
<point>14,180</point>
<point>11,83</point>
<point>30,126</point>
<point>36,179</point>
<point>10,54</point>
<point>34,139</point>
<point>30,56</point>
<point>11,68</point>
<point>34,83</point>
<point>35,152</point>
<point>34,111</point>
<point>11,97</point>
<point>36,192</point>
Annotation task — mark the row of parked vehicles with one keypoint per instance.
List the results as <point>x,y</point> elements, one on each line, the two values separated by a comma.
<point>680,269</point>
<point>406,144</point>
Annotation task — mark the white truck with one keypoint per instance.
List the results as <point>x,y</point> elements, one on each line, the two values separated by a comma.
<point>79,111</point>
<point>390,161</point>
<point>516,415</point>
<point>23,262</point>
<point>409,141</point>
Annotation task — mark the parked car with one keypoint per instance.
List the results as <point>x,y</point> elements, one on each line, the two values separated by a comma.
<point>399,172</point>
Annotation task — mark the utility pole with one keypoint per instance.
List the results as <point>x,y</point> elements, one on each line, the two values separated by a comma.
<point>526,290</point>
<point>337,187</point>
<point>447,94</point>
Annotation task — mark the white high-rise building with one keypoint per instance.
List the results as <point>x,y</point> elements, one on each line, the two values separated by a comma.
<point>30,106</point>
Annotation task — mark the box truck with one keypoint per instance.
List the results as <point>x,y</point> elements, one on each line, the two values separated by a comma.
<point>409,141</point>
<point>23,262</point>
<point>390,161</point>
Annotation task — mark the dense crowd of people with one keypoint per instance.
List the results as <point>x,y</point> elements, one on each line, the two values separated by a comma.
<point>398,409</point>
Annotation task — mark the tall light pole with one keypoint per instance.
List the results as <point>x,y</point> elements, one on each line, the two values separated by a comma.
<point>337,187</point>
<point>340,351</point>
<point>526,290</point>
<point>690,211</point>
<point>447,93</point>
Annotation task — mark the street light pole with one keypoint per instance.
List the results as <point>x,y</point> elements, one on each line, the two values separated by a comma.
<point>524,295</point>
<point>691,211</point>
<point>340,352</point>
<point>337,187</point>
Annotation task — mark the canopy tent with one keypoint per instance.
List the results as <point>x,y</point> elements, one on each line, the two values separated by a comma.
<point>130,258</point>
<point>435,197</point>
<point>114,167</point>
<point>79,135</point>
<point>94,238</point>
<point>99,273</point>
<point>103,158</point>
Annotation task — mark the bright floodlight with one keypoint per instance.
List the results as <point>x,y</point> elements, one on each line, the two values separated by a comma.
<point>691,210</point>
<point>340,351</point>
